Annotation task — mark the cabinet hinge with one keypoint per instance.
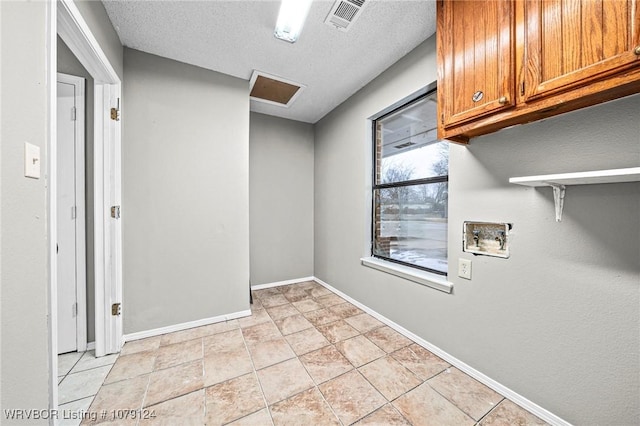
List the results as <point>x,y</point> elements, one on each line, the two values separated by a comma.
<point>522,88</point>
<point>73,113</point>
<point>74,309</point>
<point>442,118</point>
<point>74,212</point>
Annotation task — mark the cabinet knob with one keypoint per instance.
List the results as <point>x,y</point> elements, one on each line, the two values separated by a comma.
<point>502,100</point>
<point>637,50</point>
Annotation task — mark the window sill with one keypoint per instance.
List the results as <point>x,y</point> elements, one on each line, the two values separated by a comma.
<point>438,282</point>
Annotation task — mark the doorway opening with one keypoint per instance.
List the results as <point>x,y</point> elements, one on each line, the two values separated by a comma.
<point>70,200</point>
<point>65,21</point>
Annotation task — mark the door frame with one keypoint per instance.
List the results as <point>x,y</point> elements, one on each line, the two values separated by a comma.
<point>80,203</point>
<point>64,19</point>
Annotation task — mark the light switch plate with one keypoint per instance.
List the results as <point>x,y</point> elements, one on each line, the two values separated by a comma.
<point>31,161</point>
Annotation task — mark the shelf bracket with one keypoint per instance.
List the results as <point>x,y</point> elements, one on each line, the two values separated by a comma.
<point>558,198</point>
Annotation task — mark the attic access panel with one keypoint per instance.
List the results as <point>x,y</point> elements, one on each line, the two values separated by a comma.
<point>274,90</point>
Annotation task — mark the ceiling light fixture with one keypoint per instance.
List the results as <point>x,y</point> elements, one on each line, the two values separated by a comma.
<point>291,19</point>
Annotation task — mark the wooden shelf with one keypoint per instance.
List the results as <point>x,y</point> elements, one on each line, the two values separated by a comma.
<point>631,174</point>
<point>559,182</point>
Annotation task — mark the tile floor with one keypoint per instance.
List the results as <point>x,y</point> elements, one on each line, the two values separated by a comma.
<point>305,356</point>
<point>80,376</point>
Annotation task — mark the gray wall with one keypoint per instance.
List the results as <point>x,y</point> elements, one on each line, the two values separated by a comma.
<point>185,189</point>
<point>559,321</point>
<point>24,368</point>
<point>69,64</point>
<point>280,199</point>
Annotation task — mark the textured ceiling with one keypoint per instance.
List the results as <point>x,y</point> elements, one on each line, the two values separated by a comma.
<point>235,37</point>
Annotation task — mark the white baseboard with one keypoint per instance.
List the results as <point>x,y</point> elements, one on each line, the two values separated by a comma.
<point>183,326</point>
<point>528,405</point>
<point>281,283</point>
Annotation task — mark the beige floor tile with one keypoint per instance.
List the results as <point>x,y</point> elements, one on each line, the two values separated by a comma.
<point>359,350</point>
<point>175,381</point>
<point>424,406</point>
<point>197,332</point>
<point>89,361</point>
<point>273,301</point>
<point>261,332</point>
<point>337,331</point>
<point>283,380</point>
<point>233,399</point>
<point>420,361</point>
<point>466,393</point>
<point>129,366</point>
<point>282,311</point>
<point>293,324</point>
<point>185,410</point>
<point>345,310</point>
<point>223,342</point>
<point>270,352</point>
<point>319,292</point>
<point>351,397</point>
<point>259,418</point>
<point>305,408</point>
<point>257,316</point>
<point>67,361</point>
<point>308,285</point>
<point>307,305</point>
<point>385,416</point>
<point>363,322</point>
<point>82,384</point>
<point>325,364</point>
<point>257,304</point>
<point>267,292</point>
<point>509,414</point>
<point>294,293</point>
<point>178,353</point>
<point>306,341</point>
<point>330,300</point>
<point>389,377</point>
<point>148,344</point>
<point>123,395</point>
<point>388,339</point>
<point>222,366</point>
<point>321,317</point>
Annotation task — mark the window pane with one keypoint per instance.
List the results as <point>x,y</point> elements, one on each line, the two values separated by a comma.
<point>408,146</point>
<point>410,225</point>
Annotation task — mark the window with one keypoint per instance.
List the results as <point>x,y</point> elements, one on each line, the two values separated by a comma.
<point>410,187</point>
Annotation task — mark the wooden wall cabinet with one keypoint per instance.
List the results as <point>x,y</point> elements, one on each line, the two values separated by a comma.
<point>506,62</point>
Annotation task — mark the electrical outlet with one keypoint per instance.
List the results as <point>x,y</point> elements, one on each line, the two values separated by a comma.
<point>464,268</point>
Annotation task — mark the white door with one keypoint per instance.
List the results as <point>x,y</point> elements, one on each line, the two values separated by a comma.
<point>70,214</point>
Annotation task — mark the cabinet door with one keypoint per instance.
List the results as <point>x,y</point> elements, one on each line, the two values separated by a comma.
<point>572,43</point>
<point>475,59</point>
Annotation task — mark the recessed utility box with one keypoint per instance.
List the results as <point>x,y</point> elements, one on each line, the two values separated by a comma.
<point>486,238</point>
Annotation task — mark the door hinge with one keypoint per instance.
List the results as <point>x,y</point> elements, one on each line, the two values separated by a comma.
<point>115,112</point>
<point>74,309</point>
<point>116,309</point>
<point>74,212</point>
<point>115,212</point>
<point>73,113</point>
<point>522,89</point>
<point>442,118</point>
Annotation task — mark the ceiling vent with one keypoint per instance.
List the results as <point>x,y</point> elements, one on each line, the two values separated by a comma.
<point>273,90</point>
<point>344,13</point>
